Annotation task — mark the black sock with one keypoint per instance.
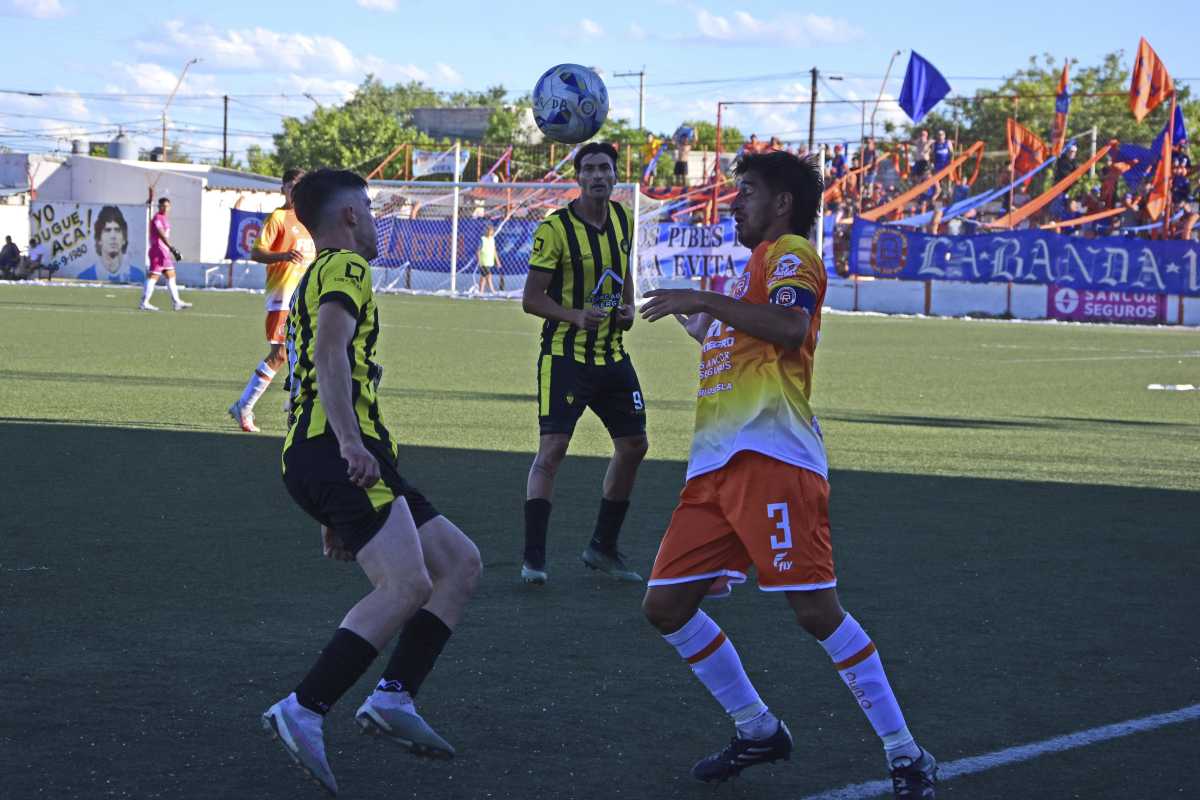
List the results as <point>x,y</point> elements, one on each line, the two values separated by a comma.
<point>608,524</point>
<point>537,521</point>
<point>419,645</point>
<point>340,665</point>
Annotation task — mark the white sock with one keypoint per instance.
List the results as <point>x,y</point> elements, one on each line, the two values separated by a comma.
<point>713,659</point>
<point>855,659</point>
<point>174,290</point>
<point>258,384</point>
<point>147,291</point>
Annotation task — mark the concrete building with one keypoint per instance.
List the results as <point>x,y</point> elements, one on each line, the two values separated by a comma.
<point>201,198</point>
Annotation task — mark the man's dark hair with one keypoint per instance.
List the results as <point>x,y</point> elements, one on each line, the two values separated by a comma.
<point>313,192</point>
<point>592,148</point>
<point>111,214</point>
<point>784,172</point>
<point>163,200</point>
<point>290,174</point>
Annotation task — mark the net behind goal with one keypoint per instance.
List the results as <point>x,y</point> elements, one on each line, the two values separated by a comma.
<point>431,235</point>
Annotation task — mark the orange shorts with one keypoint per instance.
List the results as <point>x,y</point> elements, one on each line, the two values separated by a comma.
<point>754,510</point>
<point>277,327</point>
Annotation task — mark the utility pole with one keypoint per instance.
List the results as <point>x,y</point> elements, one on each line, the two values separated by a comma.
<point>641,74</point>
<point>225,136</point>
<point>812,113</point>
<point>171,97</point>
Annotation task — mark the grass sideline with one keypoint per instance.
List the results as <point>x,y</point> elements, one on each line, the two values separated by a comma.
<point>1014,519</point>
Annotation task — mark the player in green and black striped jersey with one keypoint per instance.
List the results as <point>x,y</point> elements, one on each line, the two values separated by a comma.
<point>339,465</point>
<point>580,284</point>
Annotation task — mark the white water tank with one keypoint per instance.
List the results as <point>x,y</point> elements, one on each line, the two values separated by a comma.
<point>122,148</point>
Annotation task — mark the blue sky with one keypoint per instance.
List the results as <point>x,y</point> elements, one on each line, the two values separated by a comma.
<point>111,64</point>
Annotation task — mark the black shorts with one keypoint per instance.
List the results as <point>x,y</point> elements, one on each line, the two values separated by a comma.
<point>681,167</point>
<point>315,475</point>
<point>566,387</point>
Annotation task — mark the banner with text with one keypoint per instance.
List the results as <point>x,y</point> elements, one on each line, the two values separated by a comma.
<point>434,162</point>
<point>425,243</point>
<point>89,241</point>
<point>682,250</point>
<point>1030,257</point>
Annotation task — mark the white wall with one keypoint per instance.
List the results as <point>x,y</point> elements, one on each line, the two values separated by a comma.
<point>14,222</point>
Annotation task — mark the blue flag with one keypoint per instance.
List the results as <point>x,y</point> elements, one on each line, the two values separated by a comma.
<point>244,227</point>
<point>923,88</point>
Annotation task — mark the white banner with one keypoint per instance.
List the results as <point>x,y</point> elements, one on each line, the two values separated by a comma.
<point>89,241</point>
<point>432,162</point>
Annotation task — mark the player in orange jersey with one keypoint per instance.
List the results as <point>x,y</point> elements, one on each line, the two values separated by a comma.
<point>287,249</point>
<point>757,491</point>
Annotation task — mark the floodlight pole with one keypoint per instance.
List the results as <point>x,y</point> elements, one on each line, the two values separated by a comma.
<point>883,86</point>
<point>171,97</point>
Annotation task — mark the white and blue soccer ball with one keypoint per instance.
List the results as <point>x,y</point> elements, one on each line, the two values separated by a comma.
<point>570,103</point>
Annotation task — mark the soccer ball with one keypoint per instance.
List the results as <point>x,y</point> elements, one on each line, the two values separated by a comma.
<point>570,103</point>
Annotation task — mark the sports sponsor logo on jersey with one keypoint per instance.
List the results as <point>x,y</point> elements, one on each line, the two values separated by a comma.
<point>781,563</point>
<point>741,286</point>
<point>788,266</point>
<point>607,300</point>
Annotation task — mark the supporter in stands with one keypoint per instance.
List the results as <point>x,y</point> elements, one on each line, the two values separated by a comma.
<point>1066,162</point>
<point>684,138</point>
<point>869,156</point>
<point>775,144</point>
<point>922,152</point>
<point>10,257</point>
<point>753,145</point>
<point>943,152</point>
<point>837,164</point>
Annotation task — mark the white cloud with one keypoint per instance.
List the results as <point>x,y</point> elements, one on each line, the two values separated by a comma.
<point>264,50</point>
<point>785,29</point>
<point>152,78</point>
<point>447,73</point>
<point>636,31</point>
<point>377,5</point>
<point>38,9</point>
<point>590,28</point>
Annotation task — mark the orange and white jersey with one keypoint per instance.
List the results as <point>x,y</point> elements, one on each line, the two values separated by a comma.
<point>281,233</point>
<point>754,395</point>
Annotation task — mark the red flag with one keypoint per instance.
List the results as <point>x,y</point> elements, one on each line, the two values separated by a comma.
<point>1151,84</point>
<point>1062,107</point>
<point>1025,149</point>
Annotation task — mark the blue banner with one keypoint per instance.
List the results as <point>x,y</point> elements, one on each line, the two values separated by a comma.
<point>425,243</point>
<point>244,227</point>
<point>1028,256</point>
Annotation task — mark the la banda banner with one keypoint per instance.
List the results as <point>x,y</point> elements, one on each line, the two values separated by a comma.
<point>92,241</point>
<point>1105,265</point>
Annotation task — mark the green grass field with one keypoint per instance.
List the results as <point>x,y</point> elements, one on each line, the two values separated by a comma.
<point>1015,521</point>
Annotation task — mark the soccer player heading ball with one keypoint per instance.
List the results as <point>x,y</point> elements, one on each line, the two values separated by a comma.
<point>756,490</point>
<point>339,463</point>
<point>579,284</point>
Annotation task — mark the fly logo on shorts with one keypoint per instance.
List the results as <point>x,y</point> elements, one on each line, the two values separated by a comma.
<point>780,564</point>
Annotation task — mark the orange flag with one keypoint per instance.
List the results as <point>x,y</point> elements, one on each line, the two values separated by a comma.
<point>1025,149</point>
<point>1158,201</point>
<point>1151,84</point>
